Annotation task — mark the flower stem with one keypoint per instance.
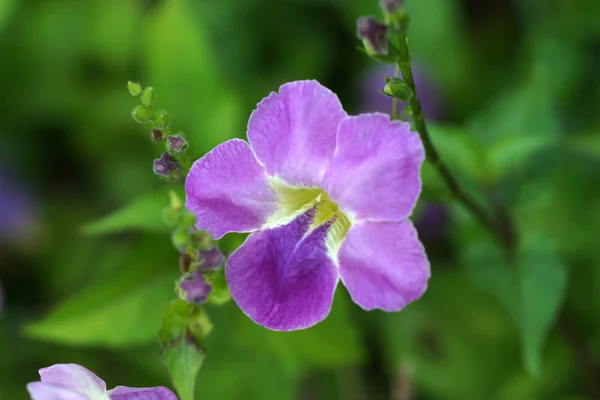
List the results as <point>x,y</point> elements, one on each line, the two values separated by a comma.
<point>433,156</point>
<point>394,100</point>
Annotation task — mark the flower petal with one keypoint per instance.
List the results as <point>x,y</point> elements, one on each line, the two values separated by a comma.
<point>374,173</point>
<point>293,132</point>
<point>283,278</point>
<point>153,393</point>
<point>75,378</point>
<point>383,265</point>
<point>48,391</point>
<point>228,190</point>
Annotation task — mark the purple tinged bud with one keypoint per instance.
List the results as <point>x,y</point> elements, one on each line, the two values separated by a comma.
<point>193,289</point>
<point>176,143</point>
<point>165,164</point>
<point>391,6</point>
<point>211,259</point>
<point>157,135</point>
<point>373,35</point>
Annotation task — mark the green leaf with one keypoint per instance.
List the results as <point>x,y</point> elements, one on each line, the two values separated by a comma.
<point>512,152</point>
<point>184,328</point>
<point>333,342</point>
<point>532,290</point>
<point>122,310</point>
<point>184,70</point>
<point>542,285</point>
<point>144,213</point>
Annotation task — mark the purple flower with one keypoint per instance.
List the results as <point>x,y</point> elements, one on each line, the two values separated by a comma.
<point>193,289</point>
<point>327,197</point>
<point>165,164</point>
<point>74,382</point>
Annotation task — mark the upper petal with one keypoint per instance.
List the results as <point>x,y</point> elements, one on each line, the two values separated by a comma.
<point>283,278</point>
<point>293,132</point>
<point>228,190</point>
<point>48,391</point>
<point>130,393</point>
<point>383,265</point>
<point>75,378</point>
<point>374,172</point>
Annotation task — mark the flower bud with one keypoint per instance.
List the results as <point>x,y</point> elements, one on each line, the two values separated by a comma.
<point>391,6</point>
<point>180,238</point>
<point>398,89</point>
<point>134,88</point>
<point>141,114</point>
<point>157,135</point>
<point>211,259</point>
<point>174,201</point>
<point>171,217</point>
<point>148,96</point>
<point>165,164</point>
<point>373,35</point>
<point>176,143</point>
<point>193,289</point>
<point>161,119</point>
<point>188,221</point>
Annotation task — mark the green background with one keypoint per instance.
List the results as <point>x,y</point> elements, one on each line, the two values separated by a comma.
<point>520,87</point>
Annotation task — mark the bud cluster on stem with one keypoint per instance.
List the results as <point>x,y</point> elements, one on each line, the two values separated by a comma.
<point>173,164</point>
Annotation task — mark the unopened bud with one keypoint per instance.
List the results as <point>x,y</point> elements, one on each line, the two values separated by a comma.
<point>398,89</point>
<point>148,96</point>
<point>211,259</point>
<point>157,135</point>
<point>134,88</point>
<point>174,201</point>
<point>180,238</point>
<point>391,6</point>
<point>142,114</point>
<point>164,165</point>
<point>188,221</point>
<point>171,217</point>
<point>193,289</point>
<point>161,119</point>
<point>373,35</point>
<point>176,143</point>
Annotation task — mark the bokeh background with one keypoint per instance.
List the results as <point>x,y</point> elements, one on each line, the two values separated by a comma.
<point>512,89</point>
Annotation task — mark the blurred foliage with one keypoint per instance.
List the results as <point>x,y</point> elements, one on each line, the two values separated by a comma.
<point>87,284</point>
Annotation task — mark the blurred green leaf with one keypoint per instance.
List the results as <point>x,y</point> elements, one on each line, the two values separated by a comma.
<point>333,342</point>
<point>184,328</point>
<point>144,213</point>
<point>122,310</point>
<point>512,152</point>
<point>542,284</point>
<point>183,69</point>
<point>6,9</point>
<point>532,290</point>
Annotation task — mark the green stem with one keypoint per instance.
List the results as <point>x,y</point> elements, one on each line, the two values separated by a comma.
<point>431,152</point>
<point>394,100</point>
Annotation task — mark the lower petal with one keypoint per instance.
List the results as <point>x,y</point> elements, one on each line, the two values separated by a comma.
<point>383,265</point>
<point>75,378</point>
<point>48,391</point>
<point>153,393</point>
<point>228,190</point>
<point>283,278</point>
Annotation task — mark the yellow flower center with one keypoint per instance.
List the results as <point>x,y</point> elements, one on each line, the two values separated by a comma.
<point>294,201</point>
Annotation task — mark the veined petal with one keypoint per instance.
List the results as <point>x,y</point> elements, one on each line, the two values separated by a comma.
<point>75,378</point>
<point>228,190</point>
<point>293,132</point>
<point>48,391</point>
<point>374,172</point>
<point>383,265</point>
<point>153,393</point>
<point>283,278</point>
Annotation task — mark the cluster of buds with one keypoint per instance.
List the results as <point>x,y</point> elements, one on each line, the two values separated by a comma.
<point>174,158</point>
<point>200,259</point>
